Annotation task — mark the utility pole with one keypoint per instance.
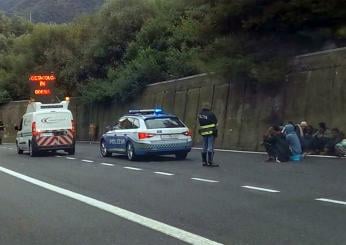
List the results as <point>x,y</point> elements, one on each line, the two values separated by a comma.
<point>30,17</point>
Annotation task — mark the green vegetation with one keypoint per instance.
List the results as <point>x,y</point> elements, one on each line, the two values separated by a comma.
<point>128,44</point>
<point>49,11</point>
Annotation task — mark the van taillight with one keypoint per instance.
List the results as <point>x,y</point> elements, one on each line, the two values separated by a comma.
<point>35,132</point>
<point>188,133</point>
<point>143,136</point>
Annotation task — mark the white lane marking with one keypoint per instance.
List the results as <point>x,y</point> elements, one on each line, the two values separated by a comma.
<point>10,148</point>
<point>131,168</point>
<point>172,231</point>
<point>71,158</point>
<point>259,188</point>
<point>164,173</point>
<point>58,156</point>
<point>205,180</point>
<point>331,200</point>
<point>89,142</point>
<point>264,153</point>
<point>323,156</point>
<point>87,160</point>
<point>234,151</point>
<point>107,164</point>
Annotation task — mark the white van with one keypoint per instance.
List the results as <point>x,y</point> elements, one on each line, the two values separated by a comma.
<point>46,127</point>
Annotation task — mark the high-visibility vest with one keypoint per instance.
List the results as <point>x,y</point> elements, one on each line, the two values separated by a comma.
<point>207,130</point>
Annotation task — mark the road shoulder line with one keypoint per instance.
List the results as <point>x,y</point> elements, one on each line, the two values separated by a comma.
<point>128,215</point>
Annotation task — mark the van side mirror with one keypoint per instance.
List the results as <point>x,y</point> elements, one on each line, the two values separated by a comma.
<point>16,128</point>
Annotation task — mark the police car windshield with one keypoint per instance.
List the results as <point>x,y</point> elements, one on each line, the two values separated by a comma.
<point>163,122</point>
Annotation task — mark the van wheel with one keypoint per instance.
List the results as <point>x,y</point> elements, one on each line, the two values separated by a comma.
<point>130,150</point>
<point>33,151</point>
<point>71,151</point>
<point>19,151</point>
<point>103,150</point>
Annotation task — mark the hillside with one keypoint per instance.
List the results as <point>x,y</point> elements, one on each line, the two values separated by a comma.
<point>115,52</point>
<point>57,11</point>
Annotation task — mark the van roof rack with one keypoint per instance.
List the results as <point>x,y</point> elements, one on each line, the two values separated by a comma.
<point>38,106</point>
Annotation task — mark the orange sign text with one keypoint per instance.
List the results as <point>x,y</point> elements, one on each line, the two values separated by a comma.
<point>39,78</point>
<point>43,92</point>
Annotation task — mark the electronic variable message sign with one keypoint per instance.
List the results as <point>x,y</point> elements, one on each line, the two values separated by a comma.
<point>42,87</point>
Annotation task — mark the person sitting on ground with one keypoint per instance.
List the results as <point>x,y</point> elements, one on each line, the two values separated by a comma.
<point>340,148</point>
<point>276,145</point>
<point>2,130</point>
<point>299,128</point>
<point>336,137</point>
<point>308,133</point>
<point>301,131</point>
<point>267,143</point>
<point>293,141</point>
<point>320,138</point>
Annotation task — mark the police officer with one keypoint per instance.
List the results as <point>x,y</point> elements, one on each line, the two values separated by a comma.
<point>2,129</point>
<point>208,130</point>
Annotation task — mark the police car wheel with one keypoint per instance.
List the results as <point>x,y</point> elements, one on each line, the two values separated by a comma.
<point>181,155</point>
<point>19,151</point>
<point>32,151</point>
<point>130,150</point>
<point>71,151</point>
<point>103,150</point>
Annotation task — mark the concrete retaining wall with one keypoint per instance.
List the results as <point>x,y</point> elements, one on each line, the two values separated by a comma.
<point>315,91</point>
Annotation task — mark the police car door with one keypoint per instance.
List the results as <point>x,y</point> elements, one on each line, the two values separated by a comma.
<point>132,130</point>
<point>118,141</point>
<point>127,130</point>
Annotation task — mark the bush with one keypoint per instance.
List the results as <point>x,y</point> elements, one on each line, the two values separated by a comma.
<point>128,44</point>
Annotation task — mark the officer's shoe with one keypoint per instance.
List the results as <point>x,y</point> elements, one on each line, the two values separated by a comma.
<point>213,164</point>
<point>210,160</point>
<point>204,159</point>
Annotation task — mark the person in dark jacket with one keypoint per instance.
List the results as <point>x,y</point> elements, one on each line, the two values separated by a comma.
<point>208,130</point>
<point>340,148</point>
<point>2,130</point>
<point>307,141</point>
<point>276,145</point>
<point>336,137</point>
<point>320,138</point>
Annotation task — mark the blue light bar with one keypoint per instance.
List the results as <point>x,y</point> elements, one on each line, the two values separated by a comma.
<point>147,111</point>
<point>140,111</point>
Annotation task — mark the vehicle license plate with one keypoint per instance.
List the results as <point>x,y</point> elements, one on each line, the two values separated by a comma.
<point>59,133</point>
<point>168,136</point>
<point>47,134</point>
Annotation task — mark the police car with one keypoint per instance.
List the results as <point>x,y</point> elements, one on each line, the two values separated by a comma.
<point>147,132</point>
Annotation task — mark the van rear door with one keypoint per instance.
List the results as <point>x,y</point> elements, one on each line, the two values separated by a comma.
<point>53,121</point>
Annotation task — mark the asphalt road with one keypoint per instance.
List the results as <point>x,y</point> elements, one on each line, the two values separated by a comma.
<point>87,199</point>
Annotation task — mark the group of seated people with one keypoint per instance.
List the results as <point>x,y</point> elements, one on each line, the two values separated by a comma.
<point>293,141</point>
